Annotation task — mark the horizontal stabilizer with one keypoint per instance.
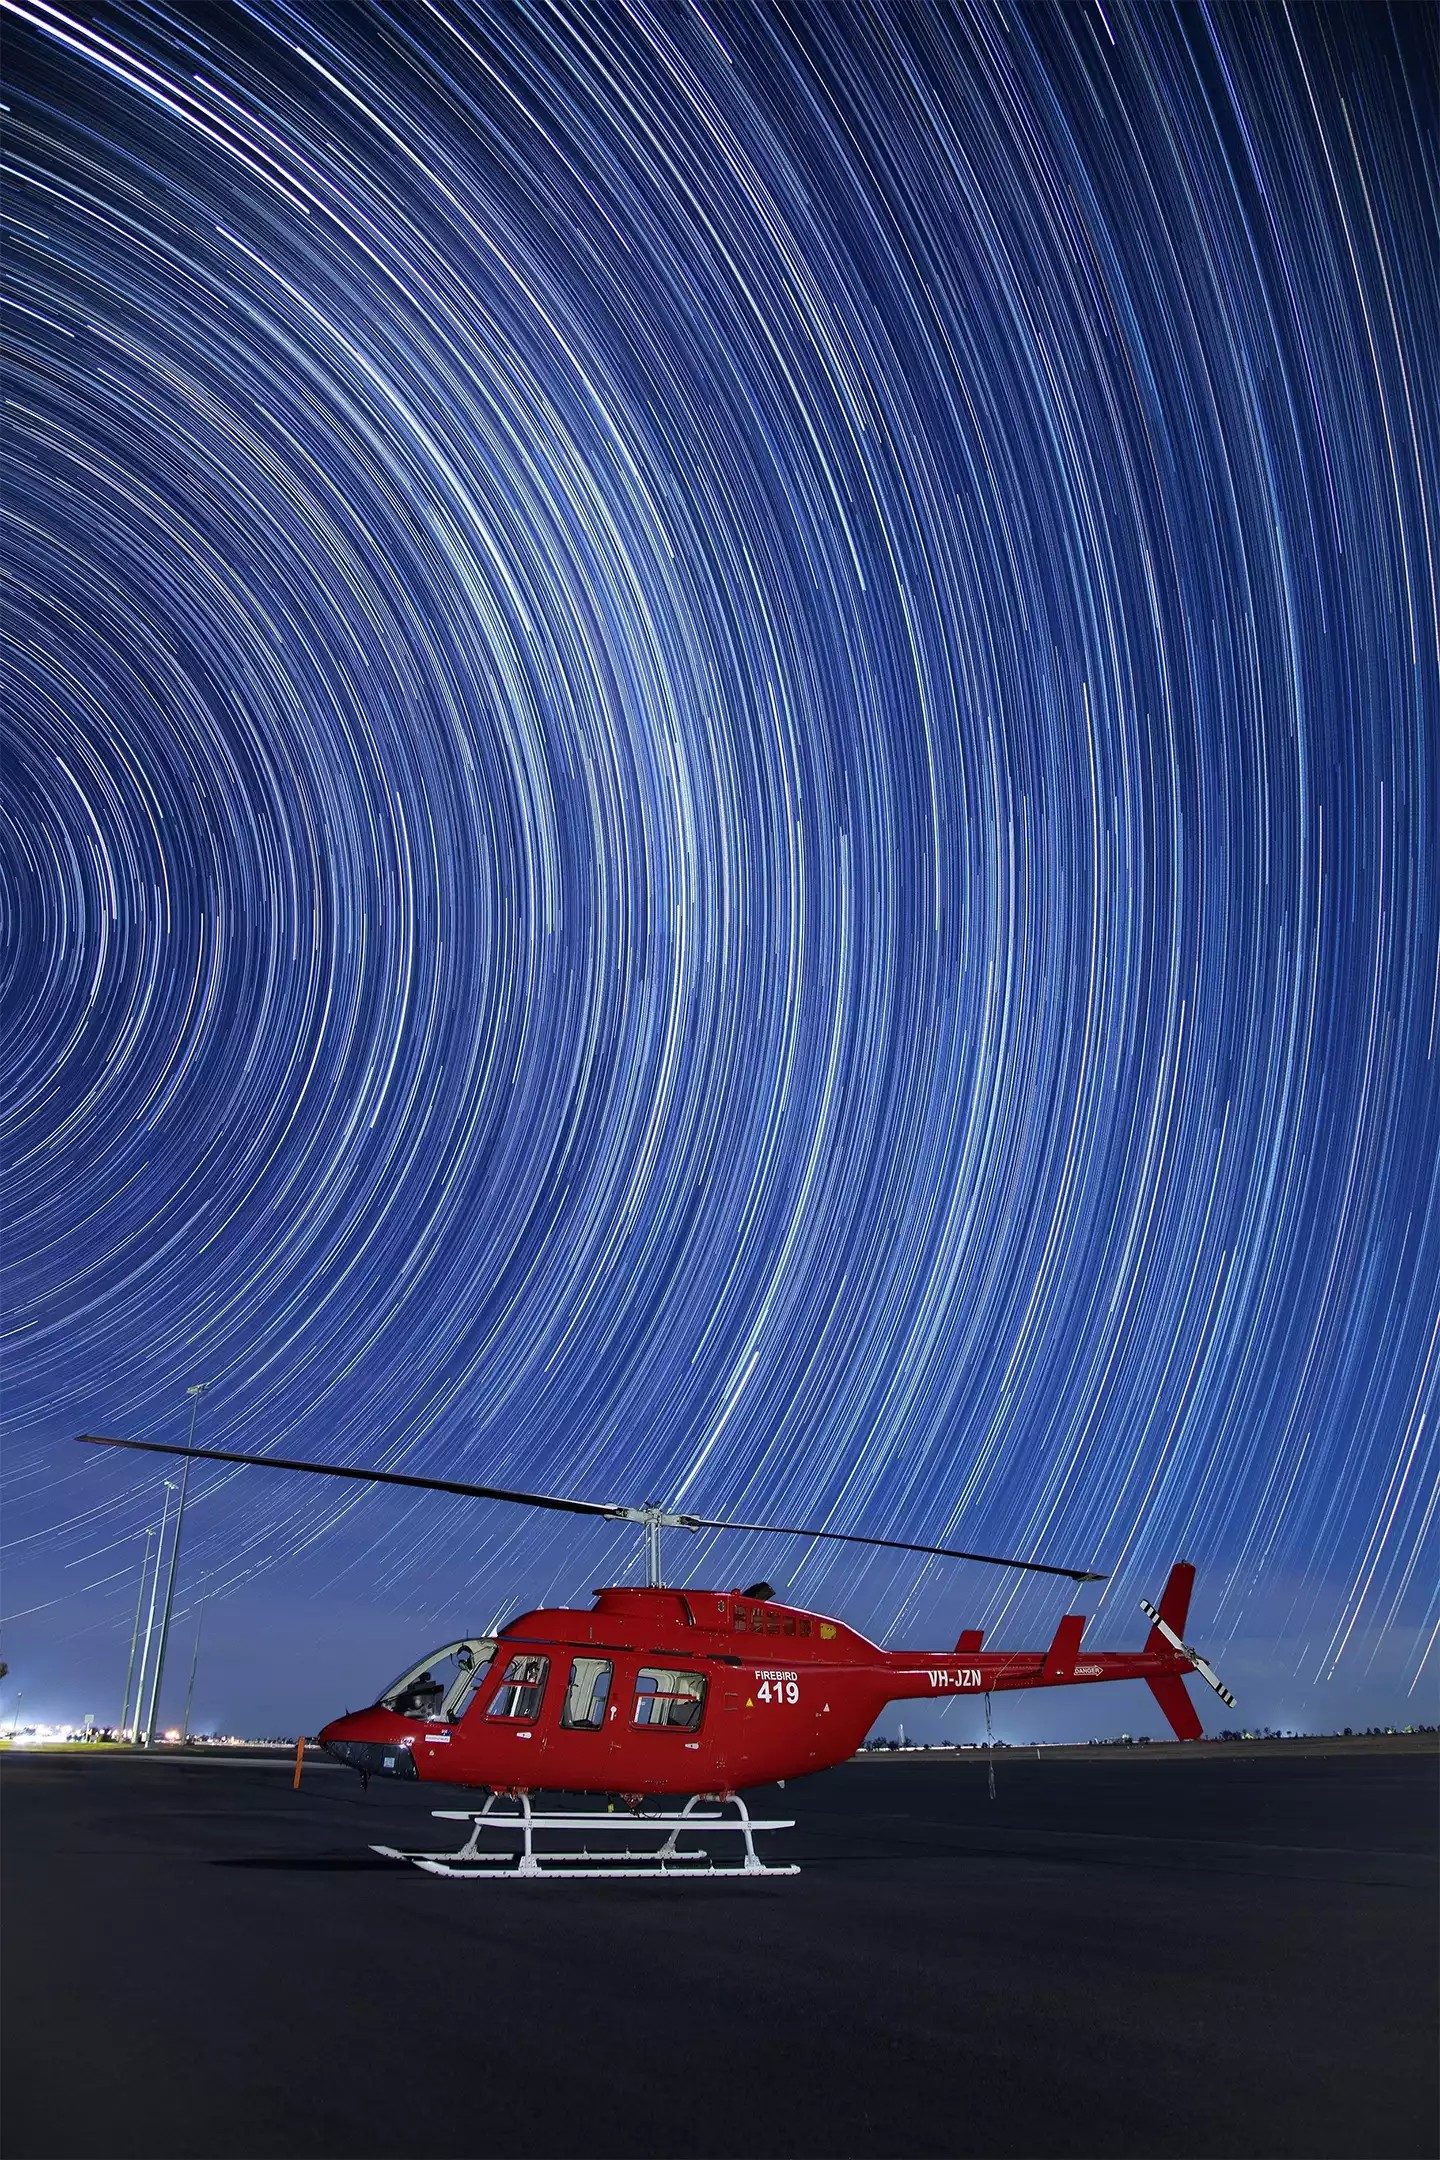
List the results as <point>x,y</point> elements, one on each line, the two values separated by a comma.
<point>1060,1658</point>
<point>970,1641</point>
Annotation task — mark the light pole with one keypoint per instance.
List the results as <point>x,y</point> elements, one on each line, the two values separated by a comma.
<point>135,1632</point>
<point>150,1616</point>
<point>194,1393</point>
<point>194,1661</point>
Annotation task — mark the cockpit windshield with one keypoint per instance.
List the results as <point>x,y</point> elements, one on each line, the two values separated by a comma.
<point>441,1685</point>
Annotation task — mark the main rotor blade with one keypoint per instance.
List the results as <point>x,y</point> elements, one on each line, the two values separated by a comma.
<point>612,1510</point>
<point>854,1537</point>
<point>369,1477</point>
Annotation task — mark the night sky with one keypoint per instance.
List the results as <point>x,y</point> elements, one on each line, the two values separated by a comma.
<point>720,783</point>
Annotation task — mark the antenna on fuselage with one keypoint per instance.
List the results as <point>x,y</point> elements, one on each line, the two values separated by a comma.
<point>652,1518</point>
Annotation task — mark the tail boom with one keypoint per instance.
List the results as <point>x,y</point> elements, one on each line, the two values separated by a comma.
<point>1164,1664</point>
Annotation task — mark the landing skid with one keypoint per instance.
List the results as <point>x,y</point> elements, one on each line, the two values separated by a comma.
<point>665,1863</point>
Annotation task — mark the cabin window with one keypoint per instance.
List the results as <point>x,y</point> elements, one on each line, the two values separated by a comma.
<point>675,1700</point>
<point>788,1626</point>
<point>523,1689</point>
<point>772,1623</point>
<point>740,1623</point>
<point>804,1627</point>
<point>587,1694</point>
<point>757,1619</point>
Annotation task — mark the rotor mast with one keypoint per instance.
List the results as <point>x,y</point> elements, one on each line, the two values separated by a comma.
<point>652,1520</point>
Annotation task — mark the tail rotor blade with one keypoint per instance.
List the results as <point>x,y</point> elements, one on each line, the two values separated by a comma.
<point>1201,1665</point>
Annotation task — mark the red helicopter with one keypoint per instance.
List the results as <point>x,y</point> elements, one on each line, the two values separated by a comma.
<point>663,1693</point>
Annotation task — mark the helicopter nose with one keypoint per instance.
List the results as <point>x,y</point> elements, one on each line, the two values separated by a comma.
<point>355,1742</point>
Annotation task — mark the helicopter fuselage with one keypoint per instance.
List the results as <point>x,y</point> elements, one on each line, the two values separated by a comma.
<point>665,1692</point>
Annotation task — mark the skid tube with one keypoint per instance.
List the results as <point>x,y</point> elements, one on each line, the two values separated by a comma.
<point>665,1863</point>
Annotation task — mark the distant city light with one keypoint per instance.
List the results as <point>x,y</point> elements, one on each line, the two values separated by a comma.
<point>70,1732</point>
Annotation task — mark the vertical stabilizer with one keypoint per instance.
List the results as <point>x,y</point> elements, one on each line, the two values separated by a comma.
<point>1167,1638</point>
<point>1174,1607</point>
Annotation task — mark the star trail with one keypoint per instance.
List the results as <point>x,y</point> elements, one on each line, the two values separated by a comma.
<point>720,786</point>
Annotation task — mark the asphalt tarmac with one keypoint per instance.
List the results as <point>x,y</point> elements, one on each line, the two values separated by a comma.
<point>1177,1956</point>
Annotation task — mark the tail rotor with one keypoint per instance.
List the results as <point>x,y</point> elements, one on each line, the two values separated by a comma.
<point>1162,1627</point>
<point>1168,1686</point>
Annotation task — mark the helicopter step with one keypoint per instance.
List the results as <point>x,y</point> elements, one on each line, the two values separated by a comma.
<point>665,1863</point>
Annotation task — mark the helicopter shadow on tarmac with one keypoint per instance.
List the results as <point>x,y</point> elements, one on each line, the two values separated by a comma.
<point>309,1863</point>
